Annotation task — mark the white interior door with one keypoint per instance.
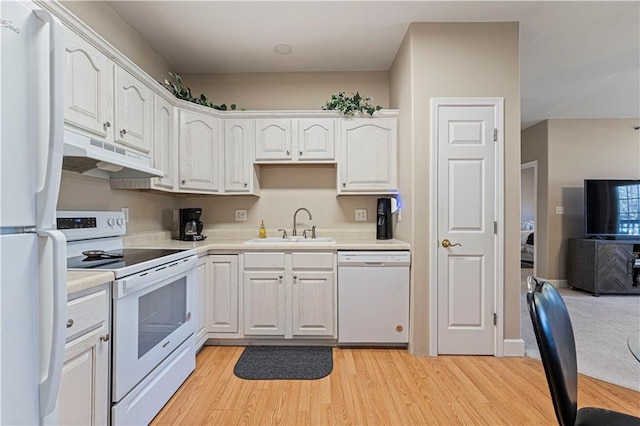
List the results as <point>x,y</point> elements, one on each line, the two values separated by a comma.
<point>467,199</point>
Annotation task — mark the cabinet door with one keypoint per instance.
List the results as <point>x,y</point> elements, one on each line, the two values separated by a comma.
<point>614,268</point>
<point>88,87</point>
<point>238,164</point>
<point>164,143</point>
<point>369,155</point>
<point>273,139</point>
<point>202,278</point>
<point>222,294</point>
<point>199,151</point>
<point>313,307</point>
<point>84,385</point>
<point>264,303</point>
<point>134,112</point>
<point>316,139</point>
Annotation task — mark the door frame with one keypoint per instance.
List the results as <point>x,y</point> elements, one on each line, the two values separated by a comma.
<point>532,165</point>
<point>435,104</point>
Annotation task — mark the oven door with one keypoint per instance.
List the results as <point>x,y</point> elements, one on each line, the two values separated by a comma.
<point>152,316</point>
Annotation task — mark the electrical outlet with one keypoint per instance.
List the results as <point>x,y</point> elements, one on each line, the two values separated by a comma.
<point>559,210</point>
<point>241,215</point>
<point>361,215</point>
<point>125,210</point>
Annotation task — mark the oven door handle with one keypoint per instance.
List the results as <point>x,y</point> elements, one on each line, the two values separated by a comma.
<point>137,282</point>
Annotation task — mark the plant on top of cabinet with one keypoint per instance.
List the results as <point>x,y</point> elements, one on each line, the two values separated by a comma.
<point>181,91</point>
<point>348,105</point>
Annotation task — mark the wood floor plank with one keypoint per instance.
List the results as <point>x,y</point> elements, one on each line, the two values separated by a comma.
<point>382,387</point>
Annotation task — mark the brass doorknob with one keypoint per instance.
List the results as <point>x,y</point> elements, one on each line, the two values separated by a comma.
<point>446,243</point>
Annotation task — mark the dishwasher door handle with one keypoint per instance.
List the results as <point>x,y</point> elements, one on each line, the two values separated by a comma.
<point>374,263</point>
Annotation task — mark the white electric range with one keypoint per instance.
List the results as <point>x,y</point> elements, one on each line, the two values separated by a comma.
<point>153,321</point>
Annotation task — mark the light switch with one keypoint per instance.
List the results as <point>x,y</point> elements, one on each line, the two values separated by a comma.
<point>559,210</point>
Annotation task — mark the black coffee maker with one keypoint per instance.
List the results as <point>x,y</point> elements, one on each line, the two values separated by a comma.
<point>384,222</point>
<point>190,225</point>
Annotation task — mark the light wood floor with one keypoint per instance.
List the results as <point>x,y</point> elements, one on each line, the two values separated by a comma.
<point>382,387</point>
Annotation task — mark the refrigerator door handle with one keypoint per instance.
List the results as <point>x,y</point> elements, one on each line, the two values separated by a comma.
<point>49,181</point>
<point>50,384</point>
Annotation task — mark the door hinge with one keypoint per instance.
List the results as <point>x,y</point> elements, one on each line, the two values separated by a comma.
<point>495,319</point>
<point>495,135</point>
<point>495,228</point>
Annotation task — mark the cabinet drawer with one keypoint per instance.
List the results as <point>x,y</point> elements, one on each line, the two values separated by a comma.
<point>86,313</point>
<point>264,260</point>
<point>312,260</point>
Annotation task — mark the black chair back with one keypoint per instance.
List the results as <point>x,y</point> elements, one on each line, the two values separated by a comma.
<point>554,334</point>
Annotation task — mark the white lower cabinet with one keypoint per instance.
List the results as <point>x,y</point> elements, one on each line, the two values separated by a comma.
<point>289,295</point>
<point>217,298</point>
<point>221,294</point>
<point>84,387</point>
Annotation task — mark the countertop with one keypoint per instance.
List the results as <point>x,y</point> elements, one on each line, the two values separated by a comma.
<point>84,280</point>
<point>232,242</point>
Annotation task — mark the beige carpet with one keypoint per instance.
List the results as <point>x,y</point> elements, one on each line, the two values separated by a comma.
<point>601,326</point>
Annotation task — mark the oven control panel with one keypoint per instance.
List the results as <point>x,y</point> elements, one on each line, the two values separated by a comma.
<point>82,225</point>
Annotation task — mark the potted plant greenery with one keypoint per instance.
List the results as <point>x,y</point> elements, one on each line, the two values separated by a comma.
<point>181,91</point>
<point>349,105</point>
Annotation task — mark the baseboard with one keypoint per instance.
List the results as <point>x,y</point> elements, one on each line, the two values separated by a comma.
<point>513,347</point>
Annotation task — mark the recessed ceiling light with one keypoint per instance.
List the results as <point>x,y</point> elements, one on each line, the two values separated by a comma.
<point>283,48</point>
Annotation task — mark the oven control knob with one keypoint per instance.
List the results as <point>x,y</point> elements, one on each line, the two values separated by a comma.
<point>120,222</point>
<point>111,221</point>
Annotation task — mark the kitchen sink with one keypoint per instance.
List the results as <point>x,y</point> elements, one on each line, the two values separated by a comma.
<point>291,240</point>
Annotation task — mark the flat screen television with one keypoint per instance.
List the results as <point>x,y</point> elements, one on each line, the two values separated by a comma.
<point>612,208</point>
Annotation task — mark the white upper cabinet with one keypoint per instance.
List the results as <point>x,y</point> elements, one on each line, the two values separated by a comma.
<point>368,156</point>
<point>134,112</point>
<point>200,152</point>
<point>239,171</point>
<point>104,100</point>
<point>316,139</point>
<point>273,139</point>
<point>88,87</point>
<point>295,140</point>
<point>165,148</point>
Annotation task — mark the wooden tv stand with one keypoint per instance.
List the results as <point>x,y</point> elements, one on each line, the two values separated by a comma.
<point>604,266</point>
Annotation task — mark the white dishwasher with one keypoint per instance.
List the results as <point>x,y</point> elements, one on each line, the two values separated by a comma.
<point>373,297</point>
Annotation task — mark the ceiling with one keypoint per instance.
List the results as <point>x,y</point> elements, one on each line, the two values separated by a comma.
<point>577,59</point>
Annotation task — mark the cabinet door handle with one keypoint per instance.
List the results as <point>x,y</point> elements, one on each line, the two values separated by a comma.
<point>630,264</point>
<point>106,125</point>
<point>104,338</point>
<point>183,181</point>
<point>69,323</point>
<point>344,184</point>
<point>301,153</point>
<point>245,184</point>
<point>288,152</point>
<point>123,132</point>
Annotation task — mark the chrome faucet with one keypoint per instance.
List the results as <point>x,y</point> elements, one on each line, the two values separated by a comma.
<point>294,233</point>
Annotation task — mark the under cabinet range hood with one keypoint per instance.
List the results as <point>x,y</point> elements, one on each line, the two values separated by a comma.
<point>93,157</point>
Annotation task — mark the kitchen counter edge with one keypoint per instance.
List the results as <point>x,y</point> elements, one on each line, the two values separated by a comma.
<point>78,281</point>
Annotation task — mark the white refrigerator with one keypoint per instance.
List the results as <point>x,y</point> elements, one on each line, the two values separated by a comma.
<point>32,252</point>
